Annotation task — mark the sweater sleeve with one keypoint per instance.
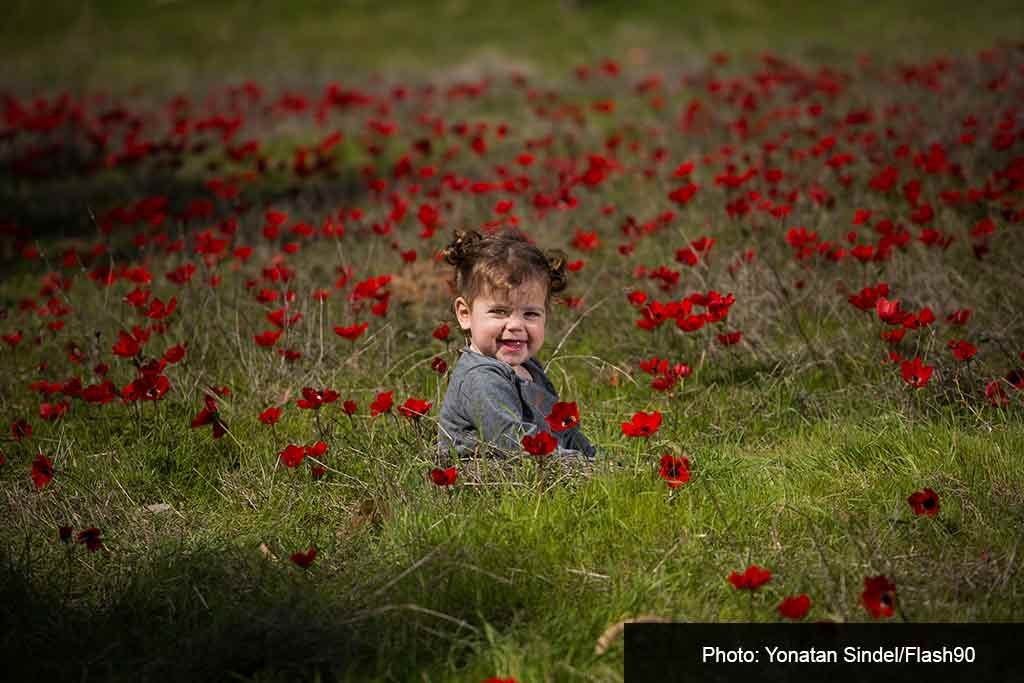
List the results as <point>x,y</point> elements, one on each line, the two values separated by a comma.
<point>492,403</point>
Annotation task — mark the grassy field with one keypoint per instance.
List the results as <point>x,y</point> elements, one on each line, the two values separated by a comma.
<point>181,43</point>
<point>285,172</point>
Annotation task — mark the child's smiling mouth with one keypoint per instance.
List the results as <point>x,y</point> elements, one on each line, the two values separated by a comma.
<point>512,344</point>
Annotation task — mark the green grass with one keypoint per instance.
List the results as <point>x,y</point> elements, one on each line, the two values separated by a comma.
<point>519,574</point>
<point>102,44</point>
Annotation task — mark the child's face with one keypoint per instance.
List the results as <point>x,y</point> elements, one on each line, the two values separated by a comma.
<point>507,327</point>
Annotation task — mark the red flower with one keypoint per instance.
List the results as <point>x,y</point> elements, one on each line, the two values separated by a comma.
<point>682,195</point>
<point>441,332</point>
<point>53,411</point>
<point>20,429</point>
<point>148,386</point>
<point>915,373</point>
<point>304,559</point>
<point>444,477</point>
<point>127,346</point>
<point>64,533</point>
<point>317,449</point>
<point>175,353</point>
<point>879,596</point>
<point>270,415</point>
<point>868,297</point>
<point>14,338</point>
<point>889,311</point>
<point>439,365</point>
<point>209,416</point>
<point>924,502</point>
<point>382,403</point>
<point>675,471</point>
<point>637,298</point>
<point>730,338</point>
<point>794,607</point>
<point>91,538</point>
<point>313,399</point>
<point>42,471</point>
<point>349,407</point>
<point>585,241</point>
<point>959,317</point>
<point>352,332</point>
<point>642,424</point>
<point>268,338</point>
<point>541,443</point>
<point>563,416</point>
<point>414,408</point>
<point>995,393</point>
<point>962,350</point>
<point>292,455</point>
<point>690,323</point>
<point>754,577</point>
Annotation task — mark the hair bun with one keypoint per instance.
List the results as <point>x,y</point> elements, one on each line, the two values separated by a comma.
<point>556,266</point>
<point>456,252</point>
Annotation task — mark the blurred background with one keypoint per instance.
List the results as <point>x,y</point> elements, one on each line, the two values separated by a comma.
<point>93,44</point>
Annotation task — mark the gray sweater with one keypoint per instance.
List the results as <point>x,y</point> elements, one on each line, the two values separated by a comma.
<point>488,403</point>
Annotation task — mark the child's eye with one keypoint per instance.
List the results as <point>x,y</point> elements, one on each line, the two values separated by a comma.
<point>533,315</point>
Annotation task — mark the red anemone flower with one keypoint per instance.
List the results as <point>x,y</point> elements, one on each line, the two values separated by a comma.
<point>915,373</point>
<point>42,471</point>
<point>889,311</point>
<point>313,399</point>
<point>351,332</point>
<point>441,332</point>
<point>268,338</point>
<point>127,346</point>
<point>794,607</point>
<point>382,403</point>
<point>210,416</point>
<point>292,455</point>
<point>995,393</point>
<point>540,443</point>
<point>730,338</point>
<point>925,502</point>
<point>92,539</point>
<point>564,415</point>
<point>304,559</point>
<point>642,424</point>
<point>959,317</point>
<point>270,415</point>
<point>879,596</point>
<point>20,429</point>
<point>317,449</point>
<point>444,477</point>
<point>675,471</point>
<point>175,353</point>
<point>414,408</point>
<point>962,349</point>
<point>751,579</point>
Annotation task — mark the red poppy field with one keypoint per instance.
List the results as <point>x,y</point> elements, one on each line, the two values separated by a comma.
<point>793,329</point>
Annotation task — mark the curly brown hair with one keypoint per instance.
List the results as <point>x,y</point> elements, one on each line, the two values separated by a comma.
<point>502,262</point>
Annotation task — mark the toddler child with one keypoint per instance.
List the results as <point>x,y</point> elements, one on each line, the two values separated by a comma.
<point>498,392</point>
